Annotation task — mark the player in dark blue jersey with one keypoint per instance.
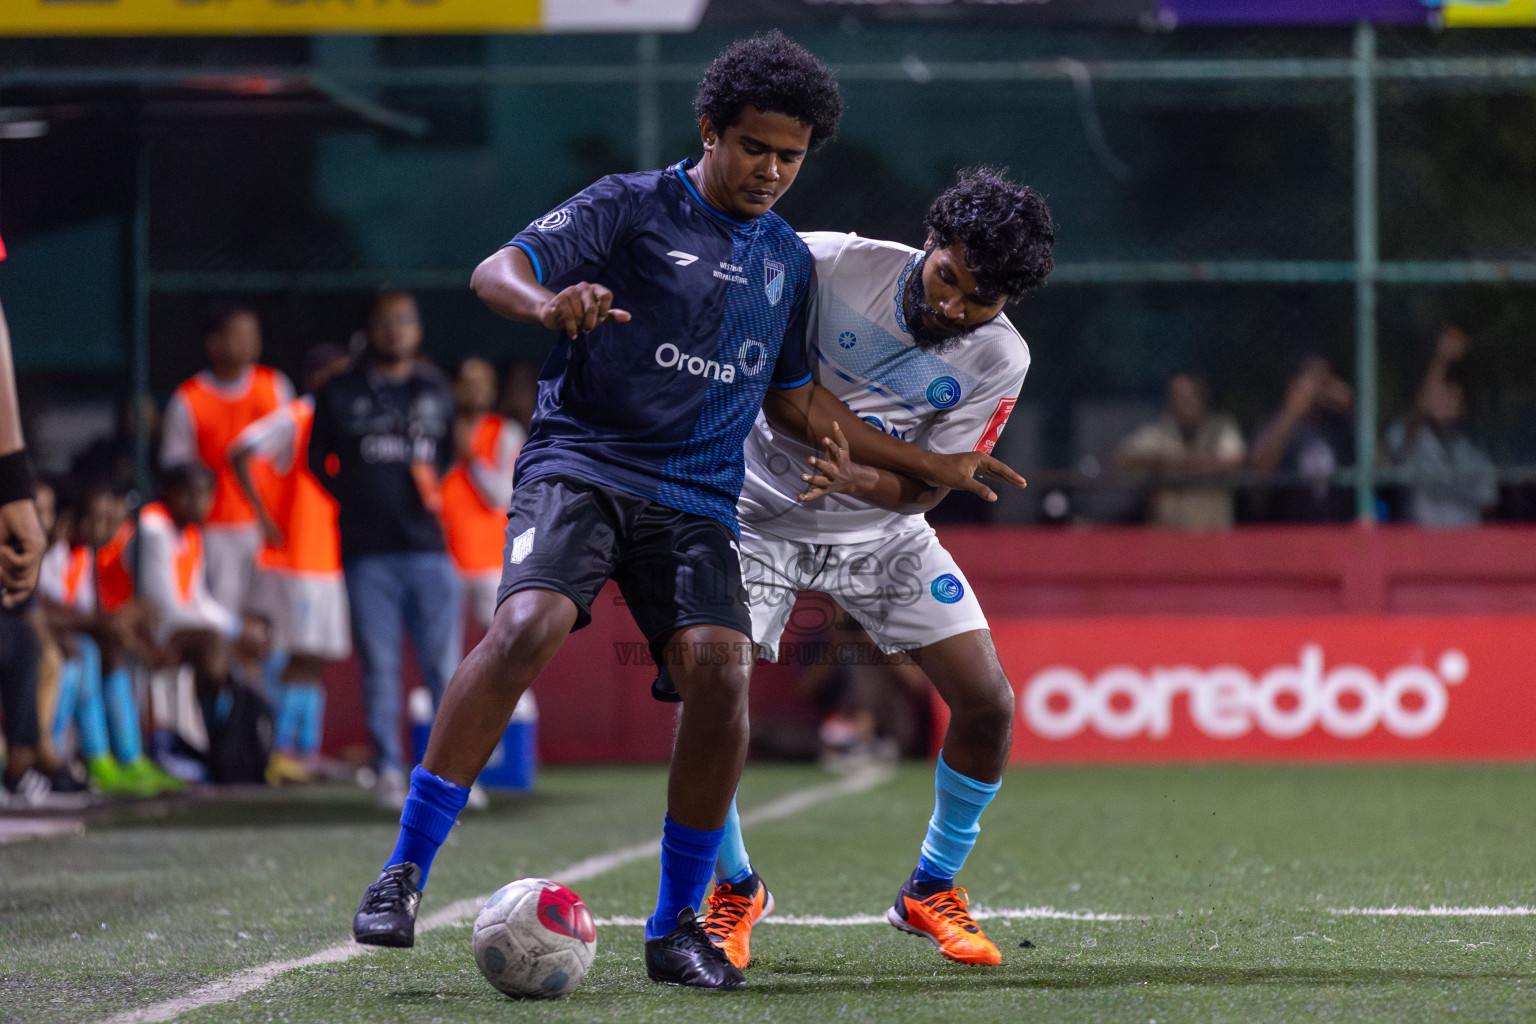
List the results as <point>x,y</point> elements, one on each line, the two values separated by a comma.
<point>682,299</point>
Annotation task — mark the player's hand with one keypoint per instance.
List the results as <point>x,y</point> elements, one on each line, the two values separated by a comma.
<point>835,472</point>
<point>581,308</point>
<point>254,637</point>
<point>960,472</point>
<point>21,550</point>
<point>271,531</point>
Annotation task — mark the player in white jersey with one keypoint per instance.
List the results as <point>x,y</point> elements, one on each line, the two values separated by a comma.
<point>916,344</point>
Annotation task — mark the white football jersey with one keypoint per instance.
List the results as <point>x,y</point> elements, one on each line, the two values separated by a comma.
<point>956,400</point>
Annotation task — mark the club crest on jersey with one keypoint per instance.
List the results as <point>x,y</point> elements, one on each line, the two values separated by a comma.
<point>947,589</point>
<point>554,221</point>
<point>943,392</point>
<point>773,281</point>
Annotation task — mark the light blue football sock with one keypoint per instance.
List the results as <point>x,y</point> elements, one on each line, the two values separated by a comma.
<point>122,716</point>
<point>312,719</point>
<point>90,705</point>
<point>731,863</point>
<point>290,717</point>
<point>64,704</point>
<point>277,698</point>
<point>687,861</point>
<point>431,810</point>
<point>952,831</point>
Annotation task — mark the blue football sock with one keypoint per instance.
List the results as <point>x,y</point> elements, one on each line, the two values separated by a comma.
<point>290,717</point>
<point>954,826</point>
<point>122,716</point>
<point>731,863</point>
<point>272,673</point>
<point>431,809</point>
<point>90,707</point>
<point>313,719</point>
<point>64,707</point>
<point>687,861</point>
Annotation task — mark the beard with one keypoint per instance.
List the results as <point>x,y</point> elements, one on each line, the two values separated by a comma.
<point>922,318</point>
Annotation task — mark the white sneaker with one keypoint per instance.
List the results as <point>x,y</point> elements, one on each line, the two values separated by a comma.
<point>389,790</point>
<point>478,799</point>
<point>29,791</point>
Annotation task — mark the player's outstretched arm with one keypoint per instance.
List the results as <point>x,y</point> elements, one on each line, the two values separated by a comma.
<point>506,282</point>
<point>810,411</point>
<point>240,462</point>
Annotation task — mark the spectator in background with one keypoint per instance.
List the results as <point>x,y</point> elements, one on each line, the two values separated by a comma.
<point>298,587</point>
<point>520,393</point>
<point>196,628</point>
<point>202,419</point>
<point>386,429</point>
<point>95,691</point>
<point>478,490</point>
<point>1185,443</point>
<point>1312,436</point>
<point>1451,481</point>
<point>113,460</point>
<point>872,705</point>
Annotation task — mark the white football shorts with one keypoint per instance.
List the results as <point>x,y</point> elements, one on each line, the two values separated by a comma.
<point>904,589</point>
<point>229,555</point>
<point>308,612</point>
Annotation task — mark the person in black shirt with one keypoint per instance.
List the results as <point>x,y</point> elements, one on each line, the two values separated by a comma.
<point>1311,437</point>
<point>382,438</point>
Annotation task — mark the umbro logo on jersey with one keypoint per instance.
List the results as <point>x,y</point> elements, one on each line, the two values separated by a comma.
<point>683,259</point>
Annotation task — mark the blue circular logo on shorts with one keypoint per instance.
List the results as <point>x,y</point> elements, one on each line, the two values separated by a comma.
<point>947,589</point>
<point>943,392</point>
<point>847,339</point>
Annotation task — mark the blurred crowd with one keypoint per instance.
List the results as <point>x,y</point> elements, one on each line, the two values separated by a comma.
<point>1194,461</point>
<point>181,637</point>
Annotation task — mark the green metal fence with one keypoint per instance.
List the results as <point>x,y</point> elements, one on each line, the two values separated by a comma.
<point>650,75</point>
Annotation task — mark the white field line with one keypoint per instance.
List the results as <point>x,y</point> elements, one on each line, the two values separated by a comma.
<point>853,920</point>
<point>460,911</point>
<point>1435,911</point>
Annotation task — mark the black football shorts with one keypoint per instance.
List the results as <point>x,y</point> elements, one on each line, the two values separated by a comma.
<point>674,569</point>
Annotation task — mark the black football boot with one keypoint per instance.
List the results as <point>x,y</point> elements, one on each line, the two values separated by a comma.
<point>685,956</point>
<point>387,915</point>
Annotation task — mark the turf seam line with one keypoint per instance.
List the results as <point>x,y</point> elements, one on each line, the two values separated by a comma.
<point>854,920</point>
<point>243,982</point>
<point>1502,910</point>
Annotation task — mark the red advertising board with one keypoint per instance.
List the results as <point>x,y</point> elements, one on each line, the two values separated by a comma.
<point>1316,688</point>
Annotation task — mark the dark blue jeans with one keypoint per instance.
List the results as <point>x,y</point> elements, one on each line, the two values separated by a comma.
<point>416,592</point>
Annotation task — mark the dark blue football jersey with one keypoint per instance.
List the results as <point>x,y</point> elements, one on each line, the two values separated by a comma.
<point>660,406</point>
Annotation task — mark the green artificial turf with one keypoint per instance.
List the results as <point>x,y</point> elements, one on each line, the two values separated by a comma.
<point>1229,878</point>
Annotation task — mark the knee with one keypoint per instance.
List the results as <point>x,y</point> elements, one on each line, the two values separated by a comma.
<point>521,639</point>
<point>986,716</point>
<point>717,692</point>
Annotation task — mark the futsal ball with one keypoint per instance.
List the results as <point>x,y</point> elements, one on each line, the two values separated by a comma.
<point>534,938</point>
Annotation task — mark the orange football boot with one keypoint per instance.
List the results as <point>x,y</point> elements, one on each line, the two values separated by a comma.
<point>944,920</point>
<point>731,913</point>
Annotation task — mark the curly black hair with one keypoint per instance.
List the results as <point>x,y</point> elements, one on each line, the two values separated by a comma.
<point>774,74</point>
<point>1006,228</point>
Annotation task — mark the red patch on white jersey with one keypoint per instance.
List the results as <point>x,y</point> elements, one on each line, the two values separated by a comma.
<point>995,425</point>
